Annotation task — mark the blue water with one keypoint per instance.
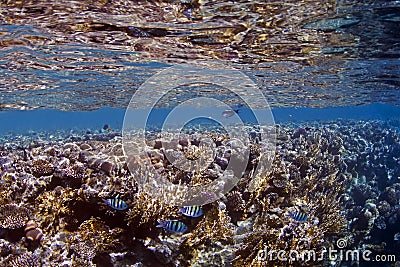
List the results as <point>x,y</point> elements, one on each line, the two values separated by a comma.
<point>22,122</point>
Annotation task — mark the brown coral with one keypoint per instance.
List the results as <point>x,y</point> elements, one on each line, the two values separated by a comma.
<point>13,216</point>
<point>235,201</point>
<point>85,250</point>
<point>41,167</point>
<point>93,236</point>
<point>6,181</point>
<point>53,208</point>
<point>305,179</point>
<point>146,210</point>
<point>25,260</point>
<point>214,228</point>
<point>305,176</point>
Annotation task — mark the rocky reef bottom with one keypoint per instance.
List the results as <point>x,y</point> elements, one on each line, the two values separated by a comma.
<point>332,187</point>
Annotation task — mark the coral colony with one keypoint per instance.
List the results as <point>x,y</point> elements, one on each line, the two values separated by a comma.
<point>76,204</point>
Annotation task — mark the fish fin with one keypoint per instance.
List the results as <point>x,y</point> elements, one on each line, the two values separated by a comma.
<point>160,224</point>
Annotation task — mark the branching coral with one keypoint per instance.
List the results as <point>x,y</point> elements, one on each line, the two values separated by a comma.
<point>214,226</point>
<point>94,237</point>
<point>54,210</point>
<point>214,230</point>
<point>95,231</point>
<point>146,210</point>
<point>308,176</point>
<point>306,181</point>
<point>25,260</point>
<point>41,167</point>
<point>6,192</point>
<point>13,216</point>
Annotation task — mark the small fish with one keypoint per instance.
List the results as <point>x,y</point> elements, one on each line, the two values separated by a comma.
<point>174,226</point>
<point>116,203</point>
<point>299,216</point>
<point>32,232</point>
<point>191,211</point>
<point>227,113</point>
<point>34,235</point>
<point>106,127</point>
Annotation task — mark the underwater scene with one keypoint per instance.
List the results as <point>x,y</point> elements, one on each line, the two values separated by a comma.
<point>199,133</point>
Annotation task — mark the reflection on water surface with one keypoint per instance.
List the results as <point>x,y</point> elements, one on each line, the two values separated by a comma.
<point>96,53</point>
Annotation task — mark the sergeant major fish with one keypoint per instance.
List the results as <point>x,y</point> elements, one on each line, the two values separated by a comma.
<point>173,226</point>
<point>299,216</point>
<point>191,211</point>
<point>116,203</point>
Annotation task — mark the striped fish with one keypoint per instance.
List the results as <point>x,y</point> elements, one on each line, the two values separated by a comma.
<point>299,216</point>
<point>173,226</point>
<point>191,211</point>
<point>116,203</point>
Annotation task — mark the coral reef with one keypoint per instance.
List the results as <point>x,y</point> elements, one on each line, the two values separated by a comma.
<point>343,177</point>
<point>13,216</point>
<point>304,177</point>
<point>25,260</point>
<point>146,211</point>
<point>93,238</point>
<point>41,167</point>
<point>54,210</point>
<point>212,233</point>
<point>373,199</point>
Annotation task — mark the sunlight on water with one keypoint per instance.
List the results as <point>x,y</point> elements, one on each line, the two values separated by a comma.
<point>84,55</point>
